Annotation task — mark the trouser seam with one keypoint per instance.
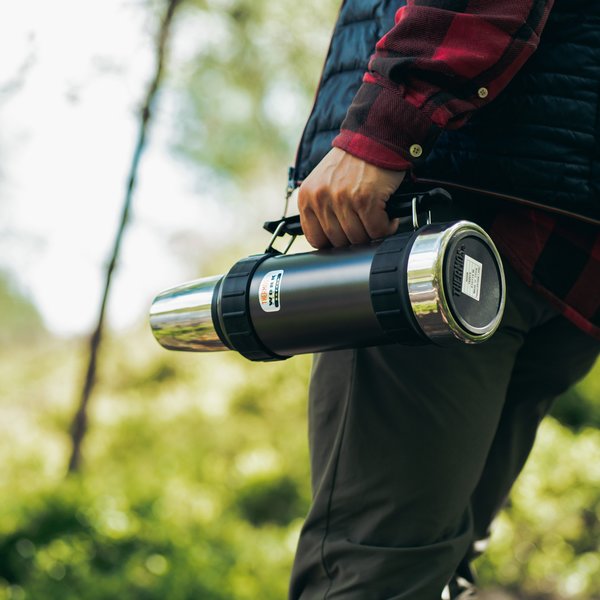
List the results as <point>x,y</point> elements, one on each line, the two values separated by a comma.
<point>334,476</point>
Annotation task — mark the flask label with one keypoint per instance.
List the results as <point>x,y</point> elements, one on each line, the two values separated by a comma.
<point>472,274</point>
<point>269,291</point>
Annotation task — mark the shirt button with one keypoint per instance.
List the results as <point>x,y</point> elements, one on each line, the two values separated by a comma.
<point>415,150</point>
<point>482,92</point>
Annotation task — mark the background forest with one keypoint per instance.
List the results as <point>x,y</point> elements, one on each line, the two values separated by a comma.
<point>191,481</point>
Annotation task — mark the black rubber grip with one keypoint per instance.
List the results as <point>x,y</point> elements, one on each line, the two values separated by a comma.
<point>235,311</point>
<point>389,293</point>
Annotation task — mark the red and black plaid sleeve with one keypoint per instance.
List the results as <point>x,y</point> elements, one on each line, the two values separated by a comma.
<point>441,61</point>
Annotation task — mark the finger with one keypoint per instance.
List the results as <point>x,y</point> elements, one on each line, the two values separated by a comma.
<point>353,228</point>
<point>376,221</point>
<point>312,229</point>
<point>395,223</point>
<point>333,229</point>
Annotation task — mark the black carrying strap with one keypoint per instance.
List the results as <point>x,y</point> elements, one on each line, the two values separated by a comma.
<point>401,205</point>
<point>398,206</point>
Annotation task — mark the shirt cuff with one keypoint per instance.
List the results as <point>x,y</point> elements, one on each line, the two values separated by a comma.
<point>382,128</point>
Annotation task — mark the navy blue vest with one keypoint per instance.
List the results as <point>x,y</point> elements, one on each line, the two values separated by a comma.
<point>538,141</point>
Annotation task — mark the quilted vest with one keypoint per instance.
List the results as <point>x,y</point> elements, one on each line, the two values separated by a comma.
<point>538,142</point>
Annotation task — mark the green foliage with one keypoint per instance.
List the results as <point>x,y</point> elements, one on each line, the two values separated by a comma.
<point>18,316</point>
<point>195,479</point>
<point>270,499</point>
<point>185,494</point>
<point>548,539</point>
<point>196,482</point>
<point>72,546</point>
<point>580,406</point>
<point>248,89</point>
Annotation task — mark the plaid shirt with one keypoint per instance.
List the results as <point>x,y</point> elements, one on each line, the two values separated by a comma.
<point>431,71</point>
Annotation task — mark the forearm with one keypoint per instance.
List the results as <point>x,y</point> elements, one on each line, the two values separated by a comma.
<point>432,70</point>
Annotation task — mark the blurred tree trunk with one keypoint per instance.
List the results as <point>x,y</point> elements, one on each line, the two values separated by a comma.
<point>80,421</point>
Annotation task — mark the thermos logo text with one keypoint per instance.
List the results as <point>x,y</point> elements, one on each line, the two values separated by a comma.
<point>269,291</point>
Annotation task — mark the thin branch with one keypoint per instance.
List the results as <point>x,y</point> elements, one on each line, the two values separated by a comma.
<point>80,421</point>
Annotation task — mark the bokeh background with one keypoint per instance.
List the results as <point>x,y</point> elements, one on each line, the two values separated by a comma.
<point>192,480</point>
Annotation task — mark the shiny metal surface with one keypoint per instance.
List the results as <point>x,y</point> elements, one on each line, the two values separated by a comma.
<point>325,302</point>
<point>426,288</point>
<point>181,317</point>
<point>415,216</point>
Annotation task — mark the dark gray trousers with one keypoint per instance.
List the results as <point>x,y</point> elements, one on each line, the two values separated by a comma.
<point>414,450</point>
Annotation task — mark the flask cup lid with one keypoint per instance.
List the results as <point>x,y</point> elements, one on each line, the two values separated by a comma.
<point>456,283</point>
<point>182,317</point>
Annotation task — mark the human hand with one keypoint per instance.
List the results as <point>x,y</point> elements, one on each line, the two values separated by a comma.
<point>343,201</point>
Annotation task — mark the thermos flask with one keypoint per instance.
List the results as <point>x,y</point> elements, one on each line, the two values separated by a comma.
<point>440,283</point>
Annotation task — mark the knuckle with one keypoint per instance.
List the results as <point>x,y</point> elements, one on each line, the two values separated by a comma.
<point>328,229</point>
<point>361,202</point>
<point>303,198</point>
<point>321,196</point>
<point>339,198</point>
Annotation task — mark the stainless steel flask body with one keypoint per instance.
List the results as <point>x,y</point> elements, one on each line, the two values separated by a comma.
<point>443,283</point>
<point>323,301</point>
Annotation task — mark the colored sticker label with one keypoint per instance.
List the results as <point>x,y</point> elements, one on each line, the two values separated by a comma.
<point>269,291</point>
<point>472,274</point>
